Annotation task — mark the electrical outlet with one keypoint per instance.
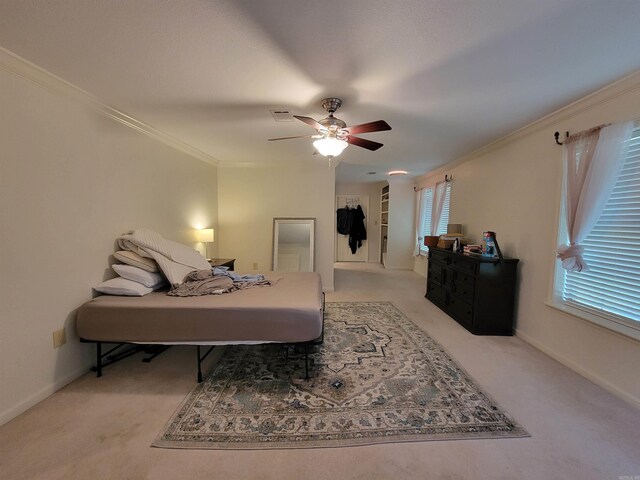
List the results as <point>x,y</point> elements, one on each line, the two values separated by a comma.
<point>255,265</point>
<point>59,338</point>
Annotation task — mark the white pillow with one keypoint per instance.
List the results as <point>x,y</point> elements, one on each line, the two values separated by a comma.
<point>148,279</point>
<point>122,286</point>
<point>132,258</point>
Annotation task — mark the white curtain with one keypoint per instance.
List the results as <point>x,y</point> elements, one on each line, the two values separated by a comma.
<point>419,216</point>
<point>438,202</point>
<point>593,160</point>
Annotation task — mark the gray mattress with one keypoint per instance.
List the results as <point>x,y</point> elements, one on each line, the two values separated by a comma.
<point>288,311</point>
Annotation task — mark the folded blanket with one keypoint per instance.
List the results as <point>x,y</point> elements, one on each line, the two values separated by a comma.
<point>204,282</point>
<point>174,259</point>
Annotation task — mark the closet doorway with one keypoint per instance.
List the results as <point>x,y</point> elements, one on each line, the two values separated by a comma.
<point>343,251</point>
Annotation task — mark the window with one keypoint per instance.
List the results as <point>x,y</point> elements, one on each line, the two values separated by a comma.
<point>427,212</point>
<point>610,289</point>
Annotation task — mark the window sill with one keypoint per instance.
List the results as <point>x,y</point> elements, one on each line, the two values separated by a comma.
<point>622,327</point>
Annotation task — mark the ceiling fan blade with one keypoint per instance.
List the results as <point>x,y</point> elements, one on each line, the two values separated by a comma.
<point>361,142</point>
<point>289,138</point>
<point>377,126</point>
<point>310,121</point>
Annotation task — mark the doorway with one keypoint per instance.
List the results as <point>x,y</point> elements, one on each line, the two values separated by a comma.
<point>343,252</point>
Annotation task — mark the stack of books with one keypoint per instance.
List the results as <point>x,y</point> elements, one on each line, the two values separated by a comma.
<point>473,249</point>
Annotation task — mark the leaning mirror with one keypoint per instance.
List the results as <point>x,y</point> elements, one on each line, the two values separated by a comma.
<point>293,244</point>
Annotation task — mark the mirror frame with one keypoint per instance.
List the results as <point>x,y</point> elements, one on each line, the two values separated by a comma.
<point>277,221</point>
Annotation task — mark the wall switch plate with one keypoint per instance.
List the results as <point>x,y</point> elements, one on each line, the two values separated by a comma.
<point>59,338</point>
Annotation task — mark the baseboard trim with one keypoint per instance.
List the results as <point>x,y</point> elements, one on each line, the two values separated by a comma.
<point>598,380</point>
<point>36,398</point>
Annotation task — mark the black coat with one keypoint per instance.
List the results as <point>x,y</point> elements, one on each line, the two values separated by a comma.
<point>344,220</point>
<point>357,232</point>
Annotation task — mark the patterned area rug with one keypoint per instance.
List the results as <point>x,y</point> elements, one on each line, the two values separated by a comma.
<point>377,378</point>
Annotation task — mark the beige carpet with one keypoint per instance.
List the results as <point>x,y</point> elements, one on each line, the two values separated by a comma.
<point>101,428</point>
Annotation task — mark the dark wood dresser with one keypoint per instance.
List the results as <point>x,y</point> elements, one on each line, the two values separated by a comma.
<point>478,292</point>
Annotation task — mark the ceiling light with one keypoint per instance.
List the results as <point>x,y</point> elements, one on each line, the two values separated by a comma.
<point>397,172</point>
<point>330,146</point>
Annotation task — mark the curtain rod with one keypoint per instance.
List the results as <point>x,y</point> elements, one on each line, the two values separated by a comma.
<point>584,132</point>
<point>557,135</point>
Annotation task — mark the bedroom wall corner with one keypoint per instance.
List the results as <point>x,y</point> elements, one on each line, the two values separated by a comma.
<point>72,180</point>
<point>251,196</point>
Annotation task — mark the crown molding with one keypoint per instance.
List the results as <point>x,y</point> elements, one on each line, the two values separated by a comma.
<point>291,163</point>
<point>605,94</point>
<point>17,65</point>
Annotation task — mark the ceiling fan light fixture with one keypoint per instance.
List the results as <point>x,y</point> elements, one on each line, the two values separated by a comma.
<point>330,146</point>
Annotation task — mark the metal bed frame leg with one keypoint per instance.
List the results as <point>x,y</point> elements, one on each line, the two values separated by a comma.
<point>199,363</point>
<point>306,361</point>
<point>98,359</point>
<point>200,360</point>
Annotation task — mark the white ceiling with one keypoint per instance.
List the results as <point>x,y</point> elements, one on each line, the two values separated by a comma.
<point>449,76</point>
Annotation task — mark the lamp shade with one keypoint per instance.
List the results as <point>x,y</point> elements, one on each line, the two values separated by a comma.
<point>205,235</point>
<point>330,146</point>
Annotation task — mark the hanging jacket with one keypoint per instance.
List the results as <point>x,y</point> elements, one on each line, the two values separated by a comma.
<point>357,232</point>
<point>344,221</point>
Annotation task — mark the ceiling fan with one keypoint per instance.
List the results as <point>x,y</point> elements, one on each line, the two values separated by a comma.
<point>333,134</point>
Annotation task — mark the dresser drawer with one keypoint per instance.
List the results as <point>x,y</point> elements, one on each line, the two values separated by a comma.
<point>436,274</point>
<point>462,285</point>
<point>436,294</point>
<point>460,309</point>
<point>439,257</point>
<point>463,264</point>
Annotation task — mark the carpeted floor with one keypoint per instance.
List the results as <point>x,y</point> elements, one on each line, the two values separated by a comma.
<point>377,378</point>
<point>102,428</point>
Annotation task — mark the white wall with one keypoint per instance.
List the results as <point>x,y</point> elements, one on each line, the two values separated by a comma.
<point>72,180</point>
<point>513,188</point>
<point>401,235</point>
<point>373,190</point>
<point>250,197</point>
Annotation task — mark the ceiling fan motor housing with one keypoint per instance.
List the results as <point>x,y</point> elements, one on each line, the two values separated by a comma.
<point>331,104</point>
<point>332,123</point>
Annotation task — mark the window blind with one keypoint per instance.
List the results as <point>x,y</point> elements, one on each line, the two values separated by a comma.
<point>427,207</point>
<point>611,286</point>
